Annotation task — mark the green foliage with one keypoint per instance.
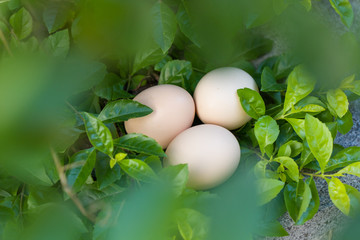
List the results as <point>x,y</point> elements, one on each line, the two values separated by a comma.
<point>79,175</point>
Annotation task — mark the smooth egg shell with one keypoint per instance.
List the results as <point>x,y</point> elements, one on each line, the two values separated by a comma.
<point>216,97</point>
<point>173,112</point>
<point>211,152</point>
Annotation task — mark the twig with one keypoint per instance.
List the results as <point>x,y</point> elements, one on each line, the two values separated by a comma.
<point>3,39</point>
<point>73,165</point>
<point>67,189</point>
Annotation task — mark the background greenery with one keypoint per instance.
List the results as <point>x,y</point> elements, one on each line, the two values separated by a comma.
<point>69,69</point>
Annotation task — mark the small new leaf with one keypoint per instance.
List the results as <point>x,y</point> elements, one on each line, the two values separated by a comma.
<point>338,101</point>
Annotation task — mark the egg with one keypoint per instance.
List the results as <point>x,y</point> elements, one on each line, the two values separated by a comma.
<point>216,97</point>
<point>173,112</point>
<point>211,152</point>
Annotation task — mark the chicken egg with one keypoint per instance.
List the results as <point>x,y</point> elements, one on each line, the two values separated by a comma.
<point>216,97</point>
<point>173,112</point>
<point>211,152</point>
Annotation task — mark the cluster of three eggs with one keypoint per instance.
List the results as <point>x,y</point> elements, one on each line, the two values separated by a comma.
<point>210,150</point>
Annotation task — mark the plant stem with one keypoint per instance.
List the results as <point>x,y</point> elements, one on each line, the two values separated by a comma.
<point>320,175</point>
<point>3,39</point>
<point>67,189</point>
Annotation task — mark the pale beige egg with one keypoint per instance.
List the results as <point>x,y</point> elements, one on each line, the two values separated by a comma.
<point>216,97</point>
<point>211,152</point>
<point>173,112</point>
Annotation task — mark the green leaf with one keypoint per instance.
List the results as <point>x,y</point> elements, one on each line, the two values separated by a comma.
<point>112,88</point>
<point>58,44</point>
<point>298,126</point>
<point>300,84</point>
<point>252,102</point>
<point>268,189</point>
<point>138,169</point>
<point>300,112</point>
<point>105,175</point>
<point>356,88</point>
<point>268,82</point>
<point>313,205</point>
<point>344,158</point>
<point>177,176</point>
<point>339,196</point>
<point>354,196</point>
<point>57,14</point>
<point>345,11</point>
<point>290,149</point>
<point>319,139</point>
<point>148,56</point>
<point>266,132</point>
<point>22,23</point>
<point>260,169</point>
<point>345,123</point>
<point>123,110</point>
<point>272,229</point>
<point>164,21</point>
<point>192,224</point>
<point>347,83</point>
<point>353,169</point>
<point>292,167</point>
<point>297,199</point>
<point>162,63</point>
<point>338,101</point>
<point>307,4</point>
<point>306,155</point>
<point>176,72</point>
<point>78,176</point>
<point>98,134</point>
<point>140,143</point>
<point>185,24</point>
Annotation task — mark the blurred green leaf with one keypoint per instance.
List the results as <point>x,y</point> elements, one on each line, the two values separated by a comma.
<point>177,176</point>
<point>300,84</point>
<point>272,229</point>
<point>338,101</point>
<point>185,24</point>
<point>339,196</point>
<point>356,88</point>
<point>58,44</point>
<point>345,11</point>
<point>252,102</point>
<point>319,139</point>
<point>139,143</point>
<point>164,21</point>
<point>266,132</point>
<point>176,72</point>
<point>112,88</point>
<point>192,224</point>
<point>354,196</point>
<point>146,57</point>
<point>77,176</point>
<point>138,169</point>
<point>347,82</point>
<point>269,83</point>
<point>57,14</point>
<point>22,23</point>
<point>268,189</point>
<point>123,110</point>
<point>98,134</point>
